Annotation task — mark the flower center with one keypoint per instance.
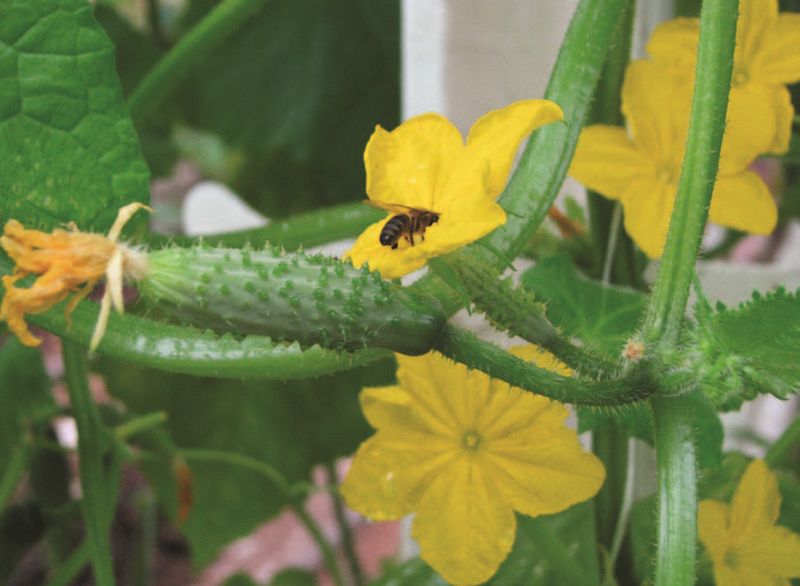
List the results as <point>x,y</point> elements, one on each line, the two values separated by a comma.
<point>471,440</point>
<point>740,76</point>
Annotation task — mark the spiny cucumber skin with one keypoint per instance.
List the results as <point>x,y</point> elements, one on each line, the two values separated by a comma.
<point>289,296</point>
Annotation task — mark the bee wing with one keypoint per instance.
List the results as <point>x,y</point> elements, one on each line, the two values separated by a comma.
<point>395,208</point>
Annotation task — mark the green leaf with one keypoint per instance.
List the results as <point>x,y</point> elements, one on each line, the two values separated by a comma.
<point>739,353</point>
<point>603,317</point>
<point>299,90</point>
<point>287,426</point>
<point>69,151</point>
<point>557,549</point>
<point>136,53</point>
<point>24,395</point>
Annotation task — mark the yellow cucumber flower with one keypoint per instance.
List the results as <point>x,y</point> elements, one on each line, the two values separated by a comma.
<point>66,261</point>
<point>464,451</point>
<point>640,167</point>
<point>767,57</point>
<point>742,539</point>
<point>424,164</point>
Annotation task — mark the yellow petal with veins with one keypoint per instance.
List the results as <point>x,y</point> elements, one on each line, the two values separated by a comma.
<point>496,136</point>
<point>606,160</point>
<point>464,530</point>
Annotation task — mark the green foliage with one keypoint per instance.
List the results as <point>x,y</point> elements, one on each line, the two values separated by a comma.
<point>136,53</point>
<point>24,395</point>
<point>69,150</point>
<point>287,426</point>
<point>737,354</point>
<point>311,81</point>
<point>604,317</point>
<point>294,577</point>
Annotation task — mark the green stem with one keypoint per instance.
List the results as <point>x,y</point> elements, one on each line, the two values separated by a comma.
<point>610,444</point>
<point>535,184</point>
<point>195,46</point>
<point>234,459</point>
<point>665,313</point>
<point>664,317</point>
<point>90,452</point>
<point>463,346</point>
<point>275,476</point>
<point>139,424</point>
<point>66,573</point>
<point>14,468</point>
<point>676,491</point>
<point>348,544</point>
<point>783,446</point>
<point>514,309</point>
<point>325,548</point>
<point>302,230</point>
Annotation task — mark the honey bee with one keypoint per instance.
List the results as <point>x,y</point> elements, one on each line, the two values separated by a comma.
<point>406,222</point>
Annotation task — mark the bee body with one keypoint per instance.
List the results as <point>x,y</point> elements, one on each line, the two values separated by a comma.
<point>404,224</point>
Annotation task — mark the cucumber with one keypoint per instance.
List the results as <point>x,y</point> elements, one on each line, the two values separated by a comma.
<point>289,296</point>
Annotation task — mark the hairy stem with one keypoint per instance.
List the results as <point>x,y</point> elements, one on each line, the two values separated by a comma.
<point>664,317</point>
<point>463,346</point>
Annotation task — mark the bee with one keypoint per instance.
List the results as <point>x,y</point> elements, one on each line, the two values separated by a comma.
<point>406,222</point>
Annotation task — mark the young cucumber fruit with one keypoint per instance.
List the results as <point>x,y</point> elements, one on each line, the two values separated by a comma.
<point>289,296</point>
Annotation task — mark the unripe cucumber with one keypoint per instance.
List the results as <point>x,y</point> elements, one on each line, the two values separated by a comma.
<point>289,296</point>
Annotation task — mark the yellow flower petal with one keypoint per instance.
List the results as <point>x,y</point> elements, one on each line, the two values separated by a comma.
<point>606,160</point>
<point>673,44</point>
<point>754,118</point>
<point>778,60</point>
<point>744,202</point>
<point>713,520</point>
<point>756,502</point>
<point>542,468</point>
<point>383,405</point>
<point>410,164</point>
<point>656,107</point>
<point>370,486</point>
<point>496,136</point>
<point>541,357</point>
<point>466,214</point>
<point>648,207</point>
<point>391,264</point>
<point>776,553</point>
<point>756,18</point>
<point>433,382</point>
<point>464,530</point>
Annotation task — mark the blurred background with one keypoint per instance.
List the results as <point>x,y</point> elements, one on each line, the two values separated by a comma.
<point>272,124</point>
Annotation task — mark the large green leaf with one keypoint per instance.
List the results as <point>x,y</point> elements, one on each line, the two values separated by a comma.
<point>288,426</point>
<point>602,316</point>
<point>68,150</point>
<point>739,353</point>
<point>298,90</point>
